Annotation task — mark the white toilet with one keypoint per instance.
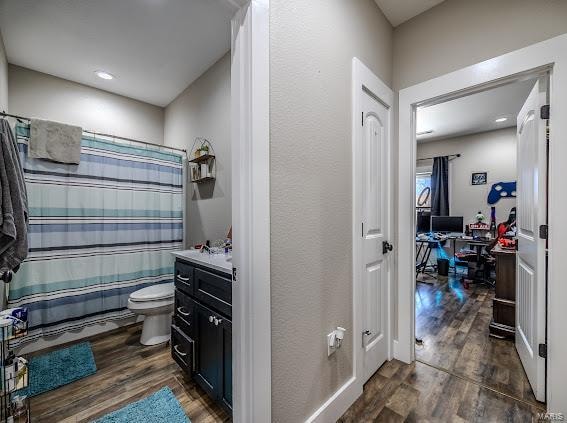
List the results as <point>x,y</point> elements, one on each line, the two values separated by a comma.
<point>155,303</point>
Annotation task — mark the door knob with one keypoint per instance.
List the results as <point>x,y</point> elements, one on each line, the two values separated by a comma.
<point>217,321</point>
<point>367,333</point>
<point>211,318</point>
<point>386,246</point>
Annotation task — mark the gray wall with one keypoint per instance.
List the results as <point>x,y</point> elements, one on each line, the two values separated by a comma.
<point>203,110</point>
<point>493,152</point>
<point>36,94</point>
<point>312,44</point>
<point>458,33</point>
<point>3,77</point>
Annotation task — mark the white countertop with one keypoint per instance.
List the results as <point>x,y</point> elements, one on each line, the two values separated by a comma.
<point>218,262</point>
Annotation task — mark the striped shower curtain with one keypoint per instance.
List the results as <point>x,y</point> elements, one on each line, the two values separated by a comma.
<point>98,231</point>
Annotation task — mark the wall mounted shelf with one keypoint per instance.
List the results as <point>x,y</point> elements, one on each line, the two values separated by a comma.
<point>202,158</point>
<point>202,180</point>
<point>202,165</point>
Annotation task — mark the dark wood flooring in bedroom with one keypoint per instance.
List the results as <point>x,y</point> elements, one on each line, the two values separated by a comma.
<point>127,371</point>
<point>462,374</point>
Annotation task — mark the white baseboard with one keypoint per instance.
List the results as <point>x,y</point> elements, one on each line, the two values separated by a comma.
<point>336,406</point>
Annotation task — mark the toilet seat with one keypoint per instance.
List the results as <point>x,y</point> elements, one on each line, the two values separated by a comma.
<point>159,292</point>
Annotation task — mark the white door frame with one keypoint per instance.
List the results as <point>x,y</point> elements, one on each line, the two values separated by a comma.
<point>250,145</point>
<point>552,54</point>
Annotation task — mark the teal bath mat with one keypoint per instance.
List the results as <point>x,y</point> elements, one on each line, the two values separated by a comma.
<point>157,408</point>
<point>60,367</point>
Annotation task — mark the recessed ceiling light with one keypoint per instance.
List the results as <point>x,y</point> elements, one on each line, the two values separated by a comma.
<point>104,75</point>
<point>502,119</point>
<point>429,131</point>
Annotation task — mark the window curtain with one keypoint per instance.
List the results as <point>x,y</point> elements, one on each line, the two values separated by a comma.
<point>98,231</point>
<point>440,187</point>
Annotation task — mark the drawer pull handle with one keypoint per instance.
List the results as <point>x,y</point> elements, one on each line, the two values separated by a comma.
<point>183,313</point>
<point>182,279</point>
<point>181,353</point>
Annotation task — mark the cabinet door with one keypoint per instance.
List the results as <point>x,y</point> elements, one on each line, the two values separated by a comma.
<point>226,346</point>
<point>207,350</point>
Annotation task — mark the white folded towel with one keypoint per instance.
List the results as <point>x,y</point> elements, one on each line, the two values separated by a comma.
<point>55,141</point>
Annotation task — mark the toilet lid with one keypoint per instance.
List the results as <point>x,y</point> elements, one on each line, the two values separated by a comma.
<point>154,292</point>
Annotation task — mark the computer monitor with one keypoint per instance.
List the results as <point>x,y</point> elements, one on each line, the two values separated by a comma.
<point>423,222</point>
<point>449,224</point>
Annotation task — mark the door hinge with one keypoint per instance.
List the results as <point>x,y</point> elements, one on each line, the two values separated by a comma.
<point>543,231</point>
<point>234,274</point>
<point>362,119</point>
<point>542,350</point>
<point>544,112</point>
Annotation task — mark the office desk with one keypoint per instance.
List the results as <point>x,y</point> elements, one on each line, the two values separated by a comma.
<point>504,304</point>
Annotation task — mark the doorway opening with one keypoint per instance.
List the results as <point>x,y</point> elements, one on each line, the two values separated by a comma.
<point>547,57</point>
<point>474,161</point>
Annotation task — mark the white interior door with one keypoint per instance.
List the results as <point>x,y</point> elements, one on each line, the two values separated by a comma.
<point>372,193</point>
<point>531,257</point>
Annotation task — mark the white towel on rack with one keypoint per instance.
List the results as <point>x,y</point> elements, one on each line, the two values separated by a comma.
<point>55,141</point>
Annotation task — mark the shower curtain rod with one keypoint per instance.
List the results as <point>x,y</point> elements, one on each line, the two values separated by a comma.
<point>451,157</point>
<point>104,135</point>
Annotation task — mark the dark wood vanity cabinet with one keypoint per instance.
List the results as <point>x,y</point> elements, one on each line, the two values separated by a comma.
<point>201,336</point>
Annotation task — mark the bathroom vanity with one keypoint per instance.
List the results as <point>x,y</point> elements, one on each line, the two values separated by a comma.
<point>201,333</point>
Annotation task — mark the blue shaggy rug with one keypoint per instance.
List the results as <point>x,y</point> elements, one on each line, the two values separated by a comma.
<point>60,367</point>
<point>157,408</point>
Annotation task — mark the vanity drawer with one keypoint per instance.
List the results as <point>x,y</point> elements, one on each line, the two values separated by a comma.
<point>182,350</point>
<point>184,312</point>
<point>214,291</point>
<point>184,277</point>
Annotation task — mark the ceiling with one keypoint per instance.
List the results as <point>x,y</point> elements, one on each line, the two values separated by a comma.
<point>399,11</point>
<point>154,48</point>
<point>474,113</point>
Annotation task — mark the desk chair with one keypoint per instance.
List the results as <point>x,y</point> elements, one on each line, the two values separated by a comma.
<point>480,270</point>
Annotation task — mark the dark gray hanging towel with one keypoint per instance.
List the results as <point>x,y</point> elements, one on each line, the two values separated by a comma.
<point>440,187</point>
<point>13,203</point>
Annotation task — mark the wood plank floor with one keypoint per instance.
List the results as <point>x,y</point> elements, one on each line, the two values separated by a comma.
<point>453,323</point>
<point>462,374</point>
<point>399,392</point>
<point>127,372</point>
